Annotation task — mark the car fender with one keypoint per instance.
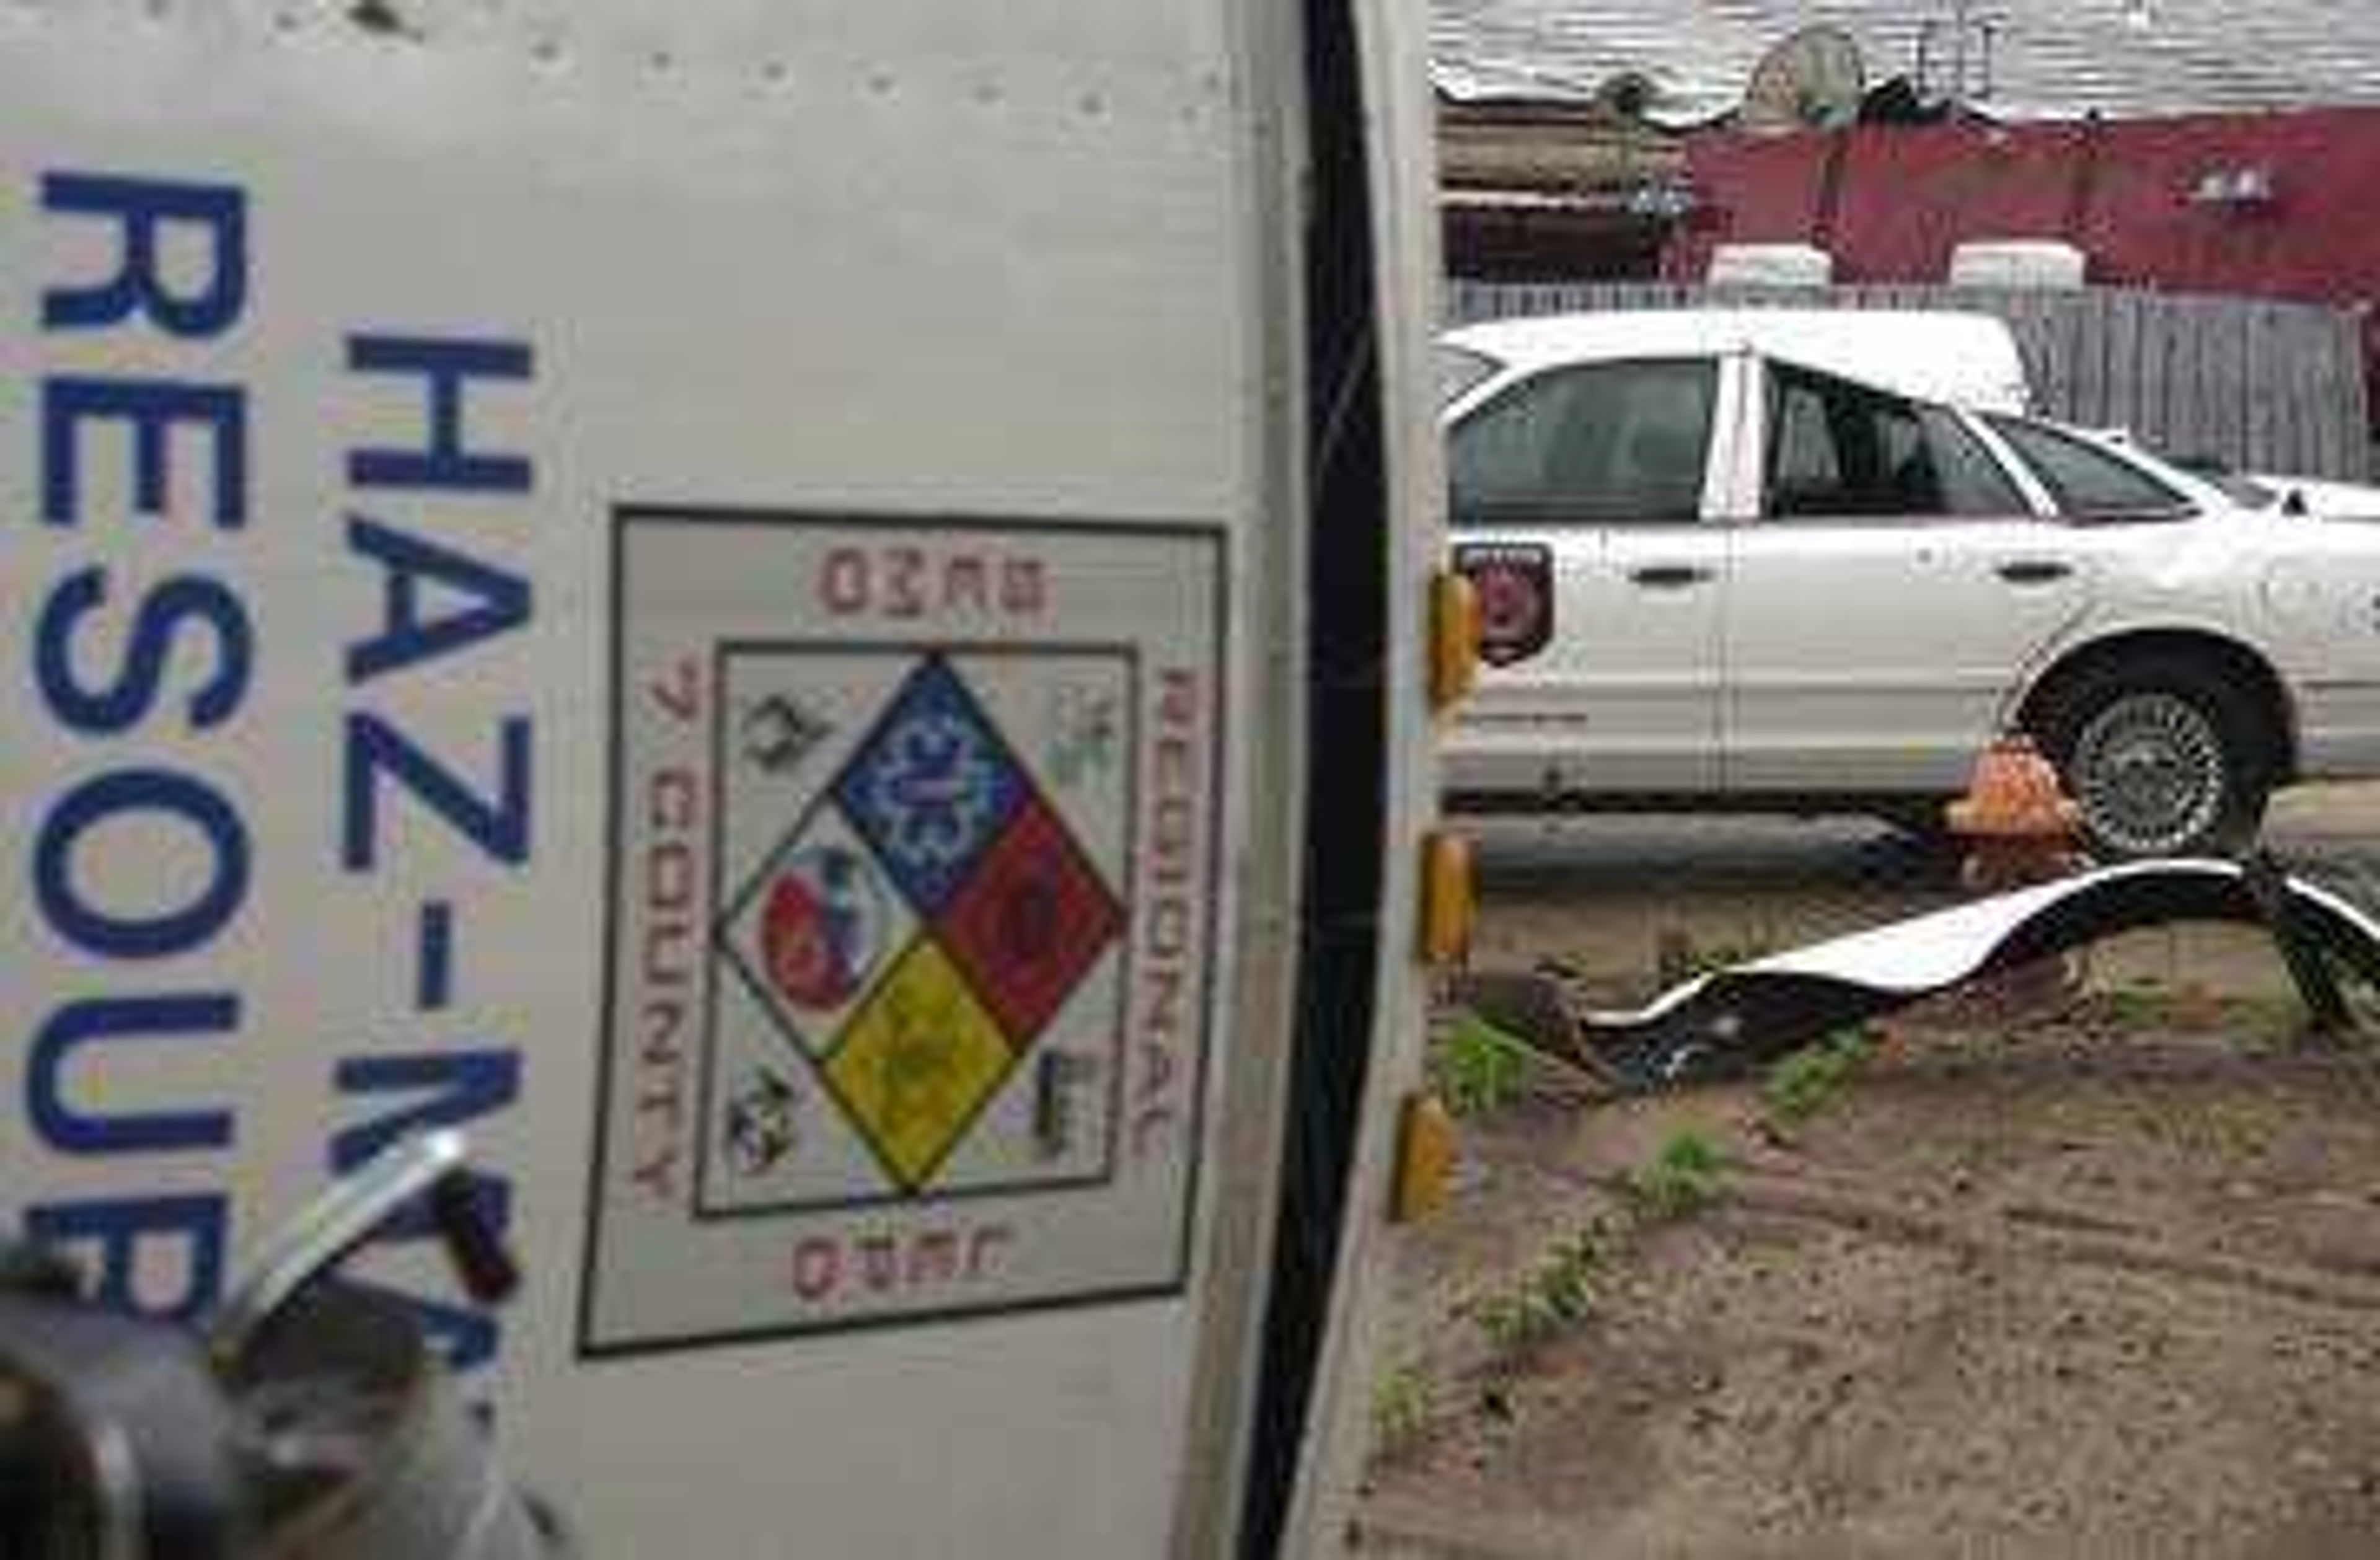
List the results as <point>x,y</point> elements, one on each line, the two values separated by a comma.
<point>2144,633</point>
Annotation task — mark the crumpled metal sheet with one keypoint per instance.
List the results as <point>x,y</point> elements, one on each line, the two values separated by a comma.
<point>1731,1021</point>
<point>2055,58</point>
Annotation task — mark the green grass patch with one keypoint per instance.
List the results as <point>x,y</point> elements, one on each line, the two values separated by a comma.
<point>1405,1399</point>
<point>1477,1068</point>
<point>1556,1294</point>
<point>1687,1175</point>
<point>1809,1081</point>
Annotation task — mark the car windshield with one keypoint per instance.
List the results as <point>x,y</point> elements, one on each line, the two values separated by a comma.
<point>1458,370</point>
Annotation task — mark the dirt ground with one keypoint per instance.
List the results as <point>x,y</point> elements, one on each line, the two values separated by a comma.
<point>2107,1284</point>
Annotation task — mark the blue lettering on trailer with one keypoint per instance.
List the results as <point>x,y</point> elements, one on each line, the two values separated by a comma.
<point>446,368</point>
<point>128,1240</point>
<point>127,698</point>
<point>70,405</point>
<point>70,910</point>
<point>143,210</point>
<point>451,1088</point>
<point>489,809</point>
<point>97,1021</point>
<point>130,664</point>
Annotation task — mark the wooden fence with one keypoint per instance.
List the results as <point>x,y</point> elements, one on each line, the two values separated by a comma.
<point>2263,386</point>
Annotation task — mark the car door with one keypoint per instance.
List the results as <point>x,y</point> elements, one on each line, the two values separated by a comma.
<point>1890,595</point>
<point>1579,507</point>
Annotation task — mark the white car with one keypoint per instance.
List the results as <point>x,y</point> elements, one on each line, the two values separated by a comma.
<point>1720,571</point>
<point>2295,496</point>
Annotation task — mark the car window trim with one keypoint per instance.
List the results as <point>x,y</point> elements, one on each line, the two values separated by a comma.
<point>2036,493</point>
<point>1556,516</point>
<point>1480,369</point>
<point>1958,428</point>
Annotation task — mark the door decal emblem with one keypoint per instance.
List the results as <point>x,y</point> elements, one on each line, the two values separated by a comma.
<point>1515,581</point>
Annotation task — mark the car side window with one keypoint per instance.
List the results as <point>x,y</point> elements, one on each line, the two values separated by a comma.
<point>2086,482</point>
<point>1840,450</point>
<point>1601,444</point>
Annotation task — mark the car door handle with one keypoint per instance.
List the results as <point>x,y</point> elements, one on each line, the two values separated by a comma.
<point>1669,577</point>
<point>2033,571</point>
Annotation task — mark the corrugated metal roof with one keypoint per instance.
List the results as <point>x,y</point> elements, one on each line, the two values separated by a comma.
<point>2054,58</point>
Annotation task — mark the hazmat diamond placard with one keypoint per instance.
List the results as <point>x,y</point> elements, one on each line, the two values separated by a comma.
<point>915,834</point>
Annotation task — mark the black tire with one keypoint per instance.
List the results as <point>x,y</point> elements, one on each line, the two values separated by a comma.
<point>2166,756</point>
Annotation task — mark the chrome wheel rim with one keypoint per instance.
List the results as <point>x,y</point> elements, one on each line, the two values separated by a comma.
<point>2149,774</point>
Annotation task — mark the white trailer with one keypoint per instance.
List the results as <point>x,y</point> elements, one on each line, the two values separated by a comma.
<point>809,621</point>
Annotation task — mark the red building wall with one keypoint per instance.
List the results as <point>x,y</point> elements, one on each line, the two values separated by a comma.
<point>1891,202</point>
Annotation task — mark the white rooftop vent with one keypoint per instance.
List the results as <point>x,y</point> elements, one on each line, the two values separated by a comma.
<point>2019,262</point>
<point>1771,266</point>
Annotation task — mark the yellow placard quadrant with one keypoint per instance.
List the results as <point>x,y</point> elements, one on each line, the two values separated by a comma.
<point>917,1063</point>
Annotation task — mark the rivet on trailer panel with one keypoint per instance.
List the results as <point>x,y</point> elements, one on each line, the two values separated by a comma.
<point>383,19</point>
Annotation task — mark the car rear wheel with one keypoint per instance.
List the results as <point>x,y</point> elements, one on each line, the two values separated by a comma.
<point>2163,760</point>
